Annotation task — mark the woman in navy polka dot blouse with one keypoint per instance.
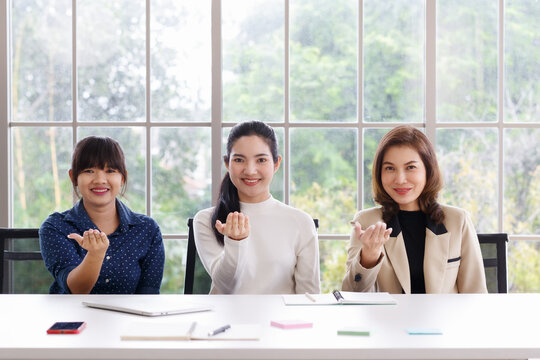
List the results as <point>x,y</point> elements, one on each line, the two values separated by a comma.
<point>100,246</point>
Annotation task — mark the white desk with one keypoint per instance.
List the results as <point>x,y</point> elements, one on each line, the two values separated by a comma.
<point>490,326</point>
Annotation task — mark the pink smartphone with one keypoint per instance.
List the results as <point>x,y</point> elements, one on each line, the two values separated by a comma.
<point>67,327</point>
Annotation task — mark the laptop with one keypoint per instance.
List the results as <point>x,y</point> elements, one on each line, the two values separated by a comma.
<point>147,305</point>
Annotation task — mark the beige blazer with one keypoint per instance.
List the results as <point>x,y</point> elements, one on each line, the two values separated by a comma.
<point>452,258</point>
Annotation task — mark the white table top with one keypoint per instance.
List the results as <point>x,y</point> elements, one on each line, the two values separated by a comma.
<point>491,326</point>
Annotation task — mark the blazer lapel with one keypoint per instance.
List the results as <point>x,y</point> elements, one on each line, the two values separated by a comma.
<point>395,250</point>
<point>435,260</point>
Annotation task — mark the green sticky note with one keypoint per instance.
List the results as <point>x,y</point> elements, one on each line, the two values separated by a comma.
<point>354,331</point>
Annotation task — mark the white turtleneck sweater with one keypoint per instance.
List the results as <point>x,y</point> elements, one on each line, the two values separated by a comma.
<point>280,255</point>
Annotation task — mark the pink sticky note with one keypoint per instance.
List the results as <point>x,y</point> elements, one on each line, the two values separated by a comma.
<point>291,324</point>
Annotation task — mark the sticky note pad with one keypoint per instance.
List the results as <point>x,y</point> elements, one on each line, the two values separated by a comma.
<point>354,331</point>
<point>424,331</point>
<point>291,324</point>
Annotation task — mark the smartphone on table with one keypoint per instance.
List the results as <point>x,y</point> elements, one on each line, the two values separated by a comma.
<point>66,327</point>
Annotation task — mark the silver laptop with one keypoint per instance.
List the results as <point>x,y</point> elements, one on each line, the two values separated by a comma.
<point>147,305</point>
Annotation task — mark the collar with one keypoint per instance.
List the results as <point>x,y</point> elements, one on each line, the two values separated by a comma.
<point>437,229</point>
<point>80,219</point>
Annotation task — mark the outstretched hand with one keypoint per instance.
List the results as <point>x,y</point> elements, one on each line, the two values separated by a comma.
<point>373,240</point>
<point>94,241</point>
<point>236,226</point>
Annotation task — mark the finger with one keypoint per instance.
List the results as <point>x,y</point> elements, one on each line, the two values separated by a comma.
<point>234,224</point>
<point>103,238</point>
<point>220,227</point>
<point>358,230</point>
<point>78,238</point>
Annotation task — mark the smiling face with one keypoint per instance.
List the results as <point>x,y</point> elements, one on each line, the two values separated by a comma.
<point>403,176</point>
<point>251,168</point>
<point>99,187</point>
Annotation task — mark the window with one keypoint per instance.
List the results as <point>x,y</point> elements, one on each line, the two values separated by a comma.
<point>168,79</point>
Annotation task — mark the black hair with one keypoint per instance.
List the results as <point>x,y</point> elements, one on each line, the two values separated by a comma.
<point>229,200</point>
<point>99,152</point>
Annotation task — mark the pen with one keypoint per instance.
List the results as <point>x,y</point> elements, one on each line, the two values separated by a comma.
<point>192,328</point>
<point>308,295</point>
<point>219,330</point>
<point>338,296</point>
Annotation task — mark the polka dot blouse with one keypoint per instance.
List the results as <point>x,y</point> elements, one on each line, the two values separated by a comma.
<point>134,260</point>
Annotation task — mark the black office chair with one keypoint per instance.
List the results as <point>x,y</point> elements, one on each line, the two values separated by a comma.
<point>22,269</point>
<point>197,280</point>
<point>493,247</point>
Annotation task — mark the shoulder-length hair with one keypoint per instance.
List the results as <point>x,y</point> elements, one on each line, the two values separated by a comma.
<point>406,135</point>
<point>98,152</point>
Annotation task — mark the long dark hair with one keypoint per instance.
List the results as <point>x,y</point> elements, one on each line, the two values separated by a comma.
<point>98,151</point>
<point>406,135</point>
<point>229,200</point>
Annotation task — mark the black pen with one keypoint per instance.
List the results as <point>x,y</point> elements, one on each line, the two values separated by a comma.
<point>338,296</point>
<point>219,330</point>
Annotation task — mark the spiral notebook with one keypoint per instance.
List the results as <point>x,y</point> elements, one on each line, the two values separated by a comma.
<point>341,298</point>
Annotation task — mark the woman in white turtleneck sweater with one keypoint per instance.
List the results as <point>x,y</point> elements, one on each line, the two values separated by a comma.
<point>251,243</point>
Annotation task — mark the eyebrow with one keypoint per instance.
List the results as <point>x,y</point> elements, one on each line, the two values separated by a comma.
<point>244,156</point>
<point>407,163</point>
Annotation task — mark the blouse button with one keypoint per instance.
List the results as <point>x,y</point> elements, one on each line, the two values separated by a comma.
<point>107,280</point>
<point>108,257</point>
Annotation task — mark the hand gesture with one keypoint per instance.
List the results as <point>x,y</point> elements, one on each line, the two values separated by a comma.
<point>94,241</point>
<point>236,226</point>
<point>372,239</point>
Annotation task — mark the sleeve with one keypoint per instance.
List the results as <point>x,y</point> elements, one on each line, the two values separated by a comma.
<point>225,263</point>
<point>152,264</point>
<point>307,271</point>
<point>358,278</point>
<point>60,254</point>
<point>471,276</point>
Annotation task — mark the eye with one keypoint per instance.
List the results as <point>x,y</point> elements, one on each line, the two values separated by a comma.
<point>238,160</point>
<point>111,171</point>
<point>411,167</point>
<point>262,160</point>
<point>88,171</point>
<point>388,168</point>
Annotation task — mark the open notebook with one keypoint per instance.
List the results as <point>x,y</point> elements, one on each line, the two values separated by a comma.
<point>147,305</point>
<point>189,331</point>
<point>341,298</point>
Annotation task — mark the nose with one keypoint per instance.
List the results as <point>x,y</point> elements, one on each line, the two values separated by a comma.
<point>100,176</point>
<point>401,178</point>
<point>250,168</point>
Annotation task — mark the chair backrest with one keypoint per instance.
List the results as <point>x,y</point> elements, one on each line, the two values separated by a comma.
<point>197,280</point>
<point>22,261</point>
<point>493,248</point>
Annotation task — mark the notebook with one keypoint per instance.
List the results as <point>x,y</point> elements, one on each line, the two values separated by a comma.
<point>341,298</point>
<point>147,305</point>
<point>189,331</point>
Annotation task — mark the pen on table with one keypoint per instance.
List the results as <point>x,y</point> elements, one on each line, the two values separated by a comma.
<point>219,330</point>
<point>310,297</point>
<point>192,328</point>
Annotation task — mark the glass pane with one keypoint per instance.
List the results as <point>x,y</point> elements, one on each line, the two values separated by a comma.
<point>323,60</point>
<point>175,266</point>
<point>111,60</point>
<point>524,266</point>
<point>323,176</point>
<point>181,175</point>
<point>41,160</point>
<point>333,254</point>
<point>394,60</point>
<point>467,60</point>
<point>180,60</point>
<point>521,181</point>
<point>521,61</point>
<point>132,140</point>
<point>372,137</point>
<point>41,60</point>
<point>253,56</point>
<point>468,160</point>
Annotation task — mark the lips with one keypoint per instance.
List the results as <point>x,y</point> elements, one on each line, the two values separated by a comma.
<point>251,182</point>
<point>402,191</point>
<point>100,190</point>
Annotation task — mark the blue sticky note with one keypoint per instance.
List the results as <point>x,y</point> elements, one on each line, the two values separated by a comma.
<point>424,331</point>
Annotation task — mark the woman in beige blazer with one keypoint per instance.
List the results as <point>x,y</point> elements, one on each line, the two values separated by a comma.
<point>411,243</point>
